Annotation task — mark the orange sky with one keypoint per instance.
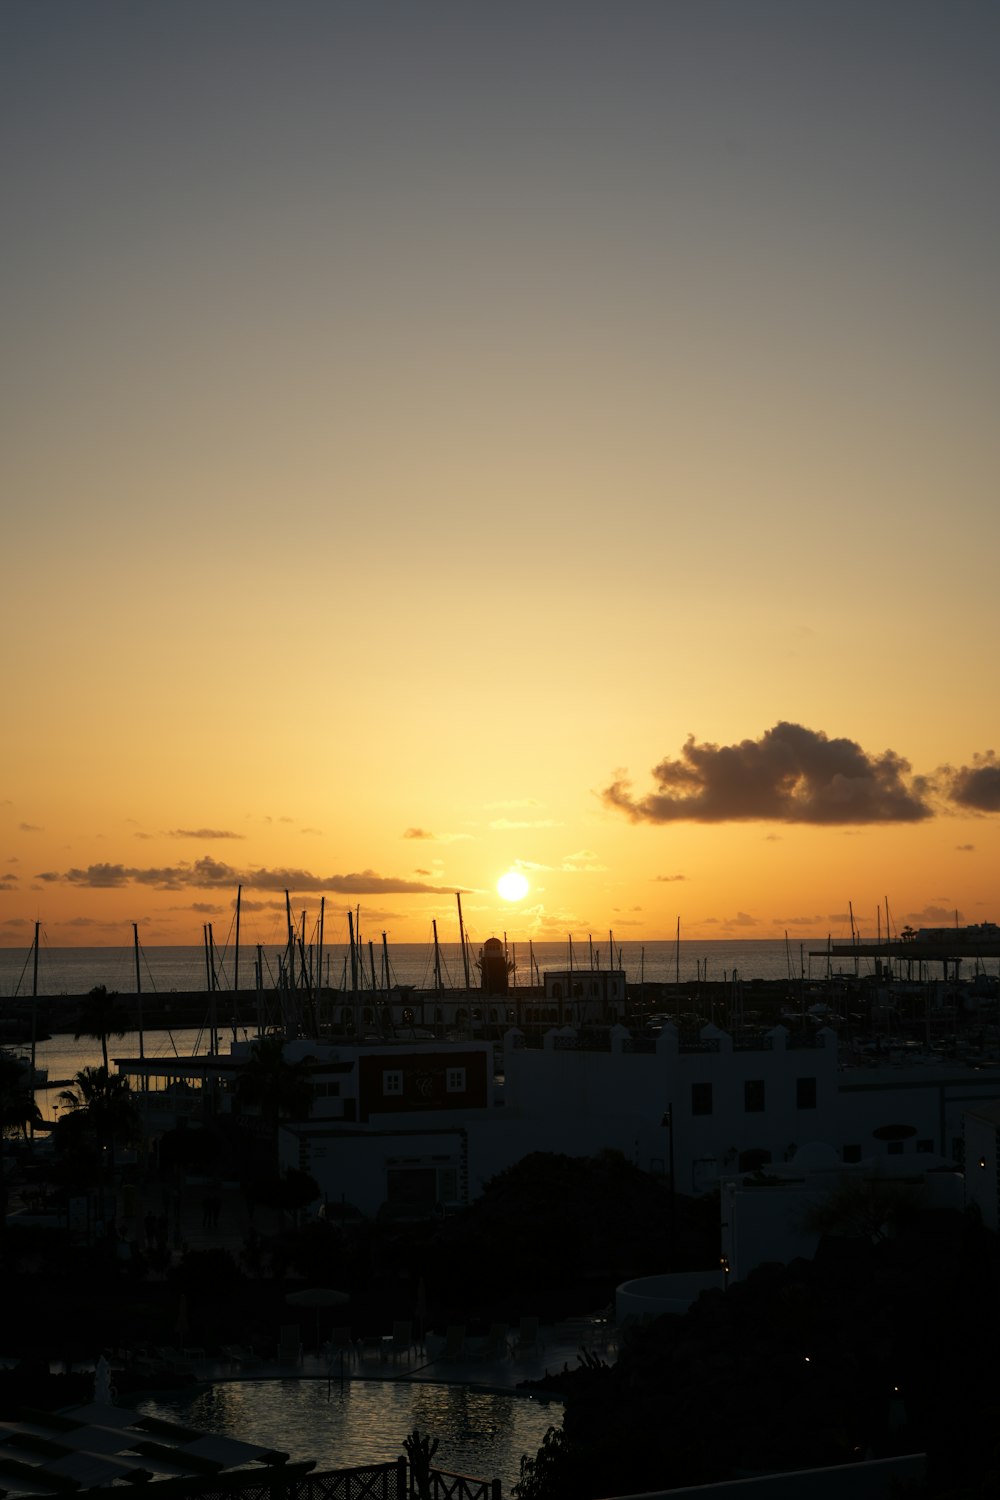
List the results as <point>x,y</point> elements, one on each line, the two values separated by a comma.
<point>422,424</point>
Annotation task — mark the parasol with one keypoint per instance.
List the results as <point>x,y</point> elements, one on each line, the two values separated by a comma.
<point>317,1297</point>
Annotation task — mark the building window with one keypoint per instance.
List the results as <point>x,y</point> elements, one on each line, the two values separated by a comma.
<point>392,1081</point>
<point>925,1145</point>
<point>447,1185</point>
<point>805,1093</point>
<point>701,1098</point>
<point>753,1095</point>
<point>851,1153</point>
<point>895,1148</point>
<point>455,1081</point>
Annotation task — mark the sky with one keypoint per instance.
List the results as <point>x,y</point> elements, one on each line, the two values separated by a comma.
<point>446,439</point>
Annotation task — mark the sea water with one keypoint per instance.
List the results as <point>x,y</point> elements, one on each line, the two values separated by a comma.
<point>74,971</point>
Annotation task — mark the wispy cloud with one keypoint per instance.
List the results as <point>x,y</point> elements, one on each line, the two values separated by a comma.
<point>205,833</point>
<point>670,879</point>
<point>425,835</point>
<point>208,874</point>
<point>504,825</point>
<point>30,828</point>
<point>584,861</point>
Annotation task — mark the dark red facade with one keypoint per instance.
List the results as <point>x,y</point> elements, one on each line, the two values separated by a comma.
<point>398,1083</point>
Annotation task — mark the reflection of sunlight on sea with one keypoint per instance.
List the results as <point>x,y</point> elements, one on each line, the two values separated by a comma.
<point>479,1433</point>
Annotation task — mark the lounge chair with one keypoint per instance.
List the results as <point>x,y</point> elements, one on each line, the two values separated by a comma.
<point>493,1345</point>
<point>454,1342</point>
<point>402,1340</point>
<point>240,1356</point>
<point>340,1347</point>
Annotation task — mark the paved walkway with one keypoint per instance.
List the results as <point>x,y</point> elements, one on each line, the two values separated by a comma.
<point>559,1348</point>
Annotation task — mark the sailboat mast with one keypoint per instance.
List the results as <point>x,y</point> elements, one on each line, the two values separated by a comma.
<point>319,961</point>
<point>677,960</point>
<point>461,938</point>
<point>138,985</point>
<point>213,1030</point>
<point>236,956</point>
<point>208,966</point>
<point>291,942</point>
<point>437,956</point>
<point>34,1005</point>
<point>354,955</point>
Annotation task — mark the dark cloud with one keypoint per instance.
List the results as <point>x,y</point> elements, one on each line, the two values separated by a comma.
<point>965,848</point>
<point>210,874</point>
<point>30,828</point>
<point>976,787</point>
<point>417,833</point>
<point>790,775</point>
<point>936,916</point>
<point>669,879</point>
<point>204,833</point>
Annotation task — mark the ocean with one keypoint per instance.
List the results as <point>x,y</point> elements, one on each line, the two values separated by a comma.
<point>75,971</point>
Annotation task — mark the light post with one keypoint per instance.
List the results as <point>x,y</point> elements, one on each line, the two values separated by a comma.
<point>668,1124</point>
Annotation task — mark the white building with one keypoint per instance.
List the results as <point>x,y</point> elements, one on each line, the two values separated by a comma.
<point>423,1125</point>
<point>982,1162</point>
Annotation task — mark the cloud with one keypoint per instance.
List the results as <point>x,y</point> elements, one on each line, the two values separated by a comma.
<point>504,825</point>
<point>30,828</point>
<point>583,861</point>
<point>976,787</point>
<point>790,775</point>
<point>8,882</point>
<point>935,916</point>
<point>965,848</point>
<point>437,838</point>
<point>210,874</point>
<point>204,833</point>
<point>669,879</point>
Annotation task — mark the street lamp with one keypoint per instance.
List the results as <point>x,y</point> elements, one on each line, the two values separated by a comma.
<point>668,1124</point>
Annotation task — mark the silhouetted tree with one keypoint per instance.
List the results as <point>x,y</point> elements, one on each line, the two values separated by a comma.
<point>280,1089</point>
<point>18,1109</point>
<point>99,1104</point>
<point>101,1016</point>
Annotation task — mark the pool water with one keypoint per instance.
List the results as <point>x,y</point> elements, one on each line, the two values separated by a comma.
<point>482,1434</point>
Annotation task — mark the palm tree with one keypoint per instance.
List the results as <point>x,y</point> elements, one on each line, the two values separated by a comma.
<point>101,1103</point>
<point>100,1017</point>
<point>18,1109</point>
<point>280,1089</point>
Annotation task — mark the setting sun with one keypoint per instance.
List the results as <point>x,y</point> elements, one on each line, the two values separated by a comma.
<point>513,886</point>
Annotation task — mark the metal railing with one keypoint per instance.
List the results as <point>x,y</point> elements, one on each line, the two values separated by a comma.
<point>448,1486</point>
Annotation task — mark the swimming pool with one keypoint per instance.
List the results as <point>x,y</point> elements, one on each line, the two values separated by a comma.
<point>365,1421</point>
